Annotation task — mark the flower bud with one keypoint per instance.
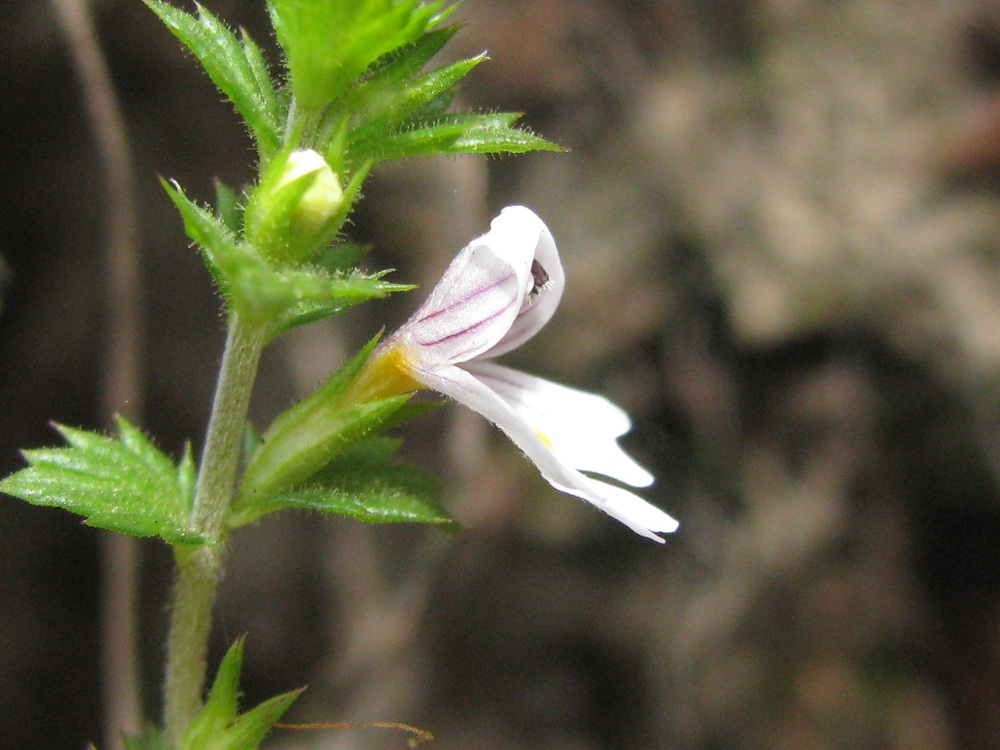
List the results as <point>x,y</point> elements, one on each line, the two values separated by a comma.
<point>293,213</point>
<point>321,200</point>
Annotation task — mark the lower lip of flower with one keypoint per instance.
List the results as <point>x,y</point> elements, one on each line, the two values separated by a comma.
<point>541,436</point>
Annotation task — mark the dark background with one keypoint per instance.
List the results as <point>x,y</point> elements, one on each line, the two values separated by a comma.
<point>780,226</point>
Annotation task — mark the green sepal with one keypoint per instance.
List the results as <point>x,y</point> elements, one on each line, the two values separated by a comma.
<point>123,484</point>
<point>275,297</point>
<point>219,725</point>
<point>455,134</point>
<point>359,483</point>
<point>328,44</point>
<point>305,438</point>
<point>251,439</point>
<point>411,410</point>
<point>235,65</point>
<point>312,436</point>
<point>352,191</point>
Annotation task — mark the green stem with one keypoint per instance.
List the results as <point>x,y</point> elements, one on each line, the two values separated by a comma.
<point>199,569</point>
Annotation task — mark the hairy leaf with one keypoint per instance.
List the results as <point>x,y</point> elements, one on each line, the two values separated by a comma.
<point>329,44</point>
<point>235,65</point>
<point>328,293</point>
<point>280,298</point>
<point>362,483</point>
<point>219,725</point>
<point>123,484</point>
<point>385,110</point>
<point>454,134</point>
<point>220,249</point>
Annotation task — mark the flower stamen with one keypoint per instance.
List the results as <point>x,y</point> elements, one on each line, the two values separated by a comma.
<point>540,279</point>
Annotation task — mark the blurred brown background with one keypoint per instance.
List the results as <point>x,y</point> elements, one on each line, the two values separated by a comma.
<point>780,225</point>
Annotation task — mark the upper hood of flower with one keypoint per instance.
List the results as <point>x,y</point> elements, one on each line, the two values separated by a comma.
<point>498,292</point>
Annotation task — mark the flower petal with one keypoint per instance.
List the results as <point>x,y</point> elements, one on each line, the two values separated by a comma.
<point>627,507</point>
<point>466,388</point>
<point>580,428</point>
<point>471,308</point>
<point>477,300</point>
<point>548,278</point>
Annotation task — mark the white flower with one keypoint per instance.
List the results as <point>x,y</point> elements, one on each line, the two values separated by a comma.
<point>496,294</point>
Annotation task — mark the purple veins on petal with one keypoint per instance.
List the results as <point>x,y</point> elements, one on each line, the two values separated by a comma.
<point>477,324</point>
<point>468,300</point>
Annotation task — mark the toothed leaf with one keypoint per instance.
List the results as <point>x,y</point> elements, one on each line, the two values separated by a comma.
<point>219,725</point>
<point>328,44</point>
<point>280,298</point>
<point>123,484</point>
<point>455,134</point>
<point>235,64</point>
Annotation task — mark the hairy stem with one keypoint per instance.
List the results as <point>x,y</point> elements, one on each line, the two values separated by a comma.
<point>200,568</point>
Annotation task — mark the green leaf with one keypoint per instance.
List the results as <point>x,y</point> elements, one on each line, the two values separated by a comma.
<point>187,473</point>
<point>315,294</point>
<point>228,208</point>
<point>216,242</point>
<point>328,44</point>
<point>396,113</point>
<point>391,495</point>
<point>385,111</point>
<point>359,483</point>
<point>219,725</point>
<point>283,299</point>
<point>235,65</point>
<point>342,257</point>
<point>123,484</point>
<point>397,67</point>
<point>279,298</point>
<point>455,134</point>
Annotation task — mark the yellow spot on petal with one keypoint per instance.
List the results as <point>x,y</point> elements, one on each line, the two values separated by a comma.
<point>543,438</point>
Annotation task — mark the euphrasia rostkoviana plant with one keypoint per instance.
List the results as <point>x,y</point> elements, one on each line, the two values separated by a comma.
<point>356,87</point>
